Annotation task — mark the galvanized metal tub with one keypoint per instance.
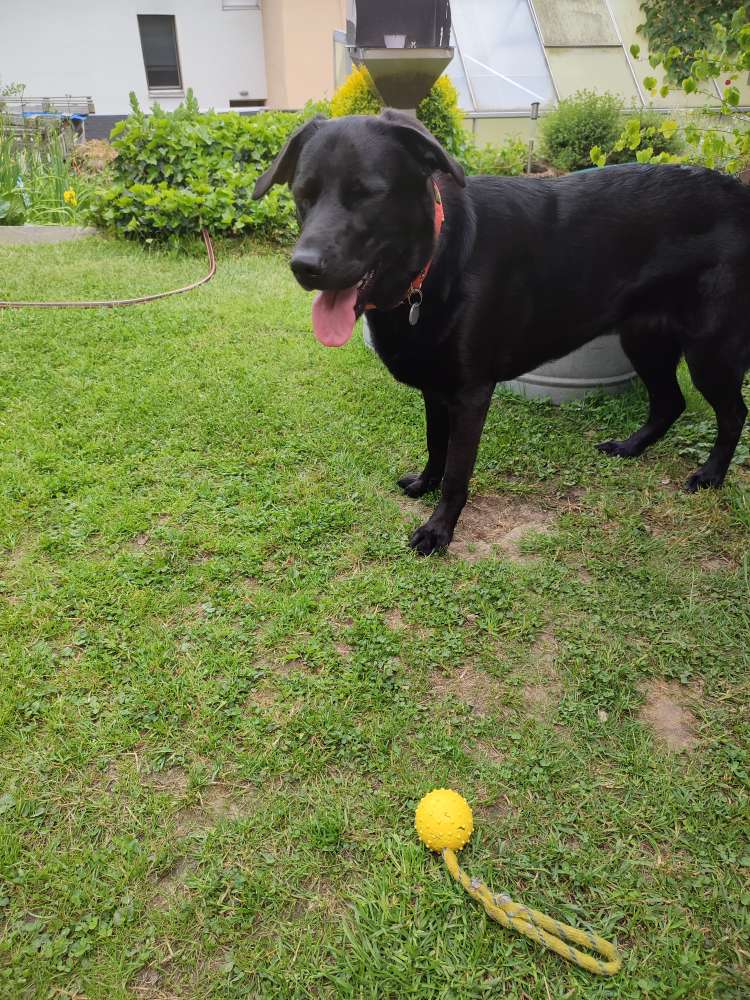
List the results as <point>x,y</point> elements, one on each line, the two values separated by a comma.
<point>599,366</point>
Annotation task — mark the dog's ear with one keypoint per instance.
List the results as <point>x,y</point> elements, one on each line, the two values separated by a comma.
<point>282,169</point>
<point>422,145</point>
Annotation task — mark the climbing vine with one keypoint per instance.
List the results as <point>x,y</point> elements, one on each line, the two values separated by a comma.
<point>684,24</point>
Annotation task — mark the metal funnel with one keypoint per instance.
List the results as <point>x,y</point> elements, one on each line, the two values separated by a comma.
<point>403,77</point>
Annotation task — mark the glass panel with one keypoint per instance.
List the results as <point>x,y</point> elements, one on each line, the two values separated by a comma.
<point>502,55</point>
<point>602,69</point>
<point>575,22</point>
<point>159,44</point>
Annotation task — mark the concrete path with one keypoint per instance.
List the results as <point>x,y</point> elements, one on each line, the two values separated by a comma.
<point>27,235</point>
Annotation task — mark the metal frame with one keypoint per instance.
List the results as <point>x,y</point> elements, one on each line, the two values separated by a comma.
<point>538,29</point>
<point>472,95</point>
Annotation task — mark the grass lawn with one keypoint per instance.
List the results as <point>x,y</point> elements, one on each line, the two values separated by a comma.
<point>225,680</point>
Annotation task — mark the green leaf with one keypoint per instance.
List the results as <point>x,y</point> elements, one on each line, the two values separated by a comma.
<point>650,83</point>
<point>635,51</point>
<point>664,92</point>
<point>668,128</point>
<point>644,155</point>
<point>732,96</point>
<point>689,85</point>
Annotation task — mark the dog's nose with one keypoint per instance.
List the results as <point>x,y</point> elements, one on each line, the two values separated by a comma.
<point>308,265</point>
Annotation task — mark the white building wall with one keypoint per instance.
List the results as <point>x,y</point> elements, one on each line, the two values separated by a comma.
<point>93,48</point>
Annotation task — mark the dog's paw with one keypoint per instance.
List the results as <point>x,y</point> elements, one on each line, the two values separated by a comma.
<point>702,480</point>
<point>430,538</point>
<point>414,485</point>
<point>617,448</point>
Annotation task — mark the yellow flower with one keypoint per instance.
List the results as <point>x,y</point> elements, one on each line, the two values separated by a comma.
<point>70,198</point>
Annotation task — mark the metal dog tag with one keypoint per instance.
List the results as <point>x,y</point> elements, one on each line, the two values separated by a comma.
<point>414,307</point>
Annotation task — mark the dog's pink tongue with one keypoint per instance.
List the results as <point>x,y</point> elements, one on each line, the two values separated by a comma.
<point>333,316</point>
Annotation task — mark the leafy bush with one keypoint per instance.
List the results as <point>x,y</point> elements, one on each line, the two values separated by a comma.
<point>356,96</point>
<point>508,159</point>
<point>663,140</point>
<point>440,113</point>
<point>179,171</point>
<point>579,122</point>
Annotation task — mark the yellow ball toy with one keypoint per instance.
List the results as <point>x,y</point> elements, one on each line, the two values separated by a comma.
<point>443,819</point>
<point>444,823</point>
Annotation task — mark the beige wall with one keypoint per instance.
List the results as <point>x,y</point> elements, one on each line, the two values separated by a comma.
<point>298,38</point>
<point>499,129</point>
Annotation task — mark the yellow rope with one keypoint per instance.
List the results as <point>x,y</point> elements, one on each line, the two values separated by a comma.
<point>537,926</point>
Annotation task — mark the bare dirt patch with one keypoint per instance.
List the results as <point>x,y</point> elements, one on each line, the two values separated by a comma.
<point>174,781</point>
<point>216,803</point>
<point>171,887</point>
<point>717,564</point>
<point>499,810</point>
<point>269,700</point>
<point>262,696</point>
<point>394,619</point>
<point>321,901</point>
<point>343,649</point>
<point>540,699</point>
<point>145,982</point>
<point>473,687</point>
<point>485,748</point>
<point>491,523</point>
<point>666,714</point>
<point>413,508</point>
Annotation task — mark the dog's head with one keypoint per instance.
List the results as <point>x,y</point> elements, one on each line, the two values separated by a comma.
<point>365,208</point>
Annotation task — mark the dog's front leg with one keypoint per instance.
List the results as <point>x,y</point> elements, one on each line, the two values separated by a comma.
<point>416,484</point>
<point>467,413</point>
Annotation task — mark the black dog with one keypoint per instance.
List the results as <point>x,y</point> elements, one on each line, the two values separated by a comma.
<point>520,273</point>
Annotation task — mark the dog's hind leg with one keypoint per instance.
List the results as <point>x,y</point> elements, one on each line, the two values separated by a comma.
<point>467,413</point>
<point>416,484</point>
<point>720,382</point>
<point>655,356</point>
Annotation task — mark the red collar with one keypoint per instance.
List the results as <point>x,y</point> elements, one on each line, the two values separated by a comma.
<point>416,285</point>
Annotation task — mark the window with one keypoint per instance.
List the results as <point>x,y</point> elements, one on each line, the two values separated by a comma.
<point>159,44</point>
<point>499,63</point>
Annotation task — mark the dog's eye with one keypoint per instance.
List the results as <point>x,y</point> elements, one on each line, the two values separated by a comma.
<point>305,196</point>
<point>355,194</point>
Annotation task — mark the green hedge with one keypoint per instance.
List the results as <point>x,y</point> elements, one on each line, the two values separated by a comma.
<point>178,171</point>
